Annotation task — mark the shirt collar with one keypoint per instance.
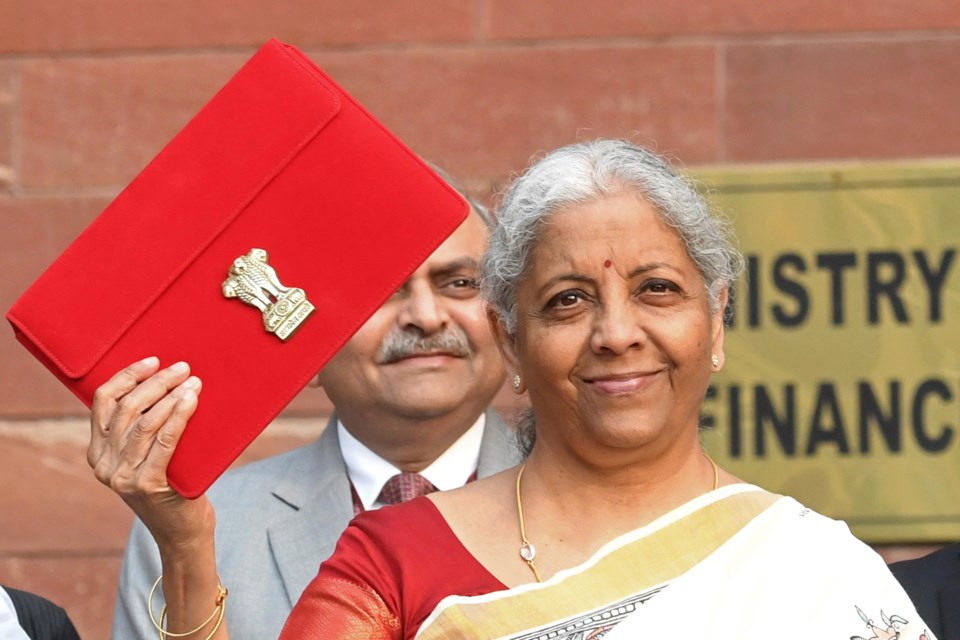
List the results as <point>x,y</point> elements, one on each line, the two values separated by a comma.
<point>369,472</point>
<point>10,628</point>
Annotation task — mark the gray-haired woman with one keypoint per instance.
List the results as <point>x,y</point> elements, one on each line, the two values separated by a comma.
<point>606,278</point>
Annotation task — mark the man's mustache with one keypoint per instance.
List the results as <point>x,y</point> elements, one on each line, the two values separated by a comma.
<point>408,343</point>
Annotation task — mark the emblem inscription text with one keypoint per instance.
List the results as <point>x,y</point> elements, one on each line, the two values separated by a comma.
<point>255,282</point>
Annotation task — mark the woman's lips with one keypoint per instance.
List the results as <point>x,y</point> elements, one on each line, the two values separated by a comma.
<point>620,384</point>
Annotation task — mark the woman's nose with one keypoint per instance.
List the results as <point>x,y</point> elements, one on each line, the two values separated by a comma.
<point>617,328</point>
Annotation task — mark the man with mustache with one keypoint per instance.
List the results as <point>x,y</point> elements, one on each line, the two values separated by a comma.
<point>410,391</point>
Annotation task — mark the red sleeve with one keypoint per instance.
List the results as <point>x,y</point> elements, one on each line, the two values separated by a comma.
<point>336,608</point>
<point>390,569</point>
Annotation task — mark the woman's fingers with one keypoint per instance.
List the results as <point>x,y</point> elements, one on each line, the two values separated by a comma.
<point>110,392</point>
<point>105,401</point>
<point>176,421</point>
<point>152,430</point>
<point>128,414</point>
<point>142,397</point>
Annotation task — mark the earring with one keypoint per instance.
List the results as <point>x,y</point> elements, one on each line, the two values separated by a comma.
<point>715,359</point>
<point>517,381</point>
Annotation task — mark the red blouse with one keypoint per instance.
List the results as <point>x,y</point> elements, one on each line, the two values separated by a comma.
<point>389,571</point>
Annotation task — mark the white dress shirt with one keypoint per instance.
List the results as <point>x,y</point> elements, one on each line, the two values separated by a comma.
<point>10,628</point>
<point>369,472</point>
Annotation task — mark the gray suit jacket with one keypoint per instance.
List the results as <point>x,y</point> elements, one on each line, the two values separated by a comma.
<point>277,520</point>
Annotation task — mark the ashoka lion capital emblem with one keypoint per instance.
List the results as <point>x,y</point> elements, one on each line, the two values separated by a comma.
<point>255,282</point>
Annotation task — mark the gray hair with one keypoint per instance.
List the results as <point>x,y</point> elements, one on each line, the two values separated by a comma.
<point>578,173</point>
<point>475,205</point>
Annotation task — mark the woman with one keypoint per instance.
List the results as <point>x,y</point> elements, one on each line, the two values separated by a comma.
<point>607,280</point>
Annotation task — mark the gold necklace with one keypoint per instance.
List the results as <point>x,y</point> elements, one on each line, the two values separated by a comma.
<point>529,553</point>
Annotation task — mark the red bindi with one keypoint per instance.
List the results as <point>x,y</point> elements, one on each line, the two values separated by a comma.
<point>607,263</point>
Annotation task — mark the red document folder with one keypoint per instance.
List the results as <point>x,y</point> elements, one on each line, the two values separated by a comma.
<point>280,160</point>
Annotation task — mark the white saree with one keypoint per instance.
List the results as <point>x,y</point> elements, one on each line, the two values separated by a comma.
<point>736,563</point>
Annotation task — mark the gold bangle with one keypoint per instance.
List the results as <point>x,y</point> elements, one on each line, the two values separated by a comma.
<point>218,613</point>
<point>164,634</point>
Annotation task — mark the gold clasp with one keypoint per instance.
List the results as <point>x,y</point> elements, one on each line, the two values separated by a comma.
<point>255,282</point>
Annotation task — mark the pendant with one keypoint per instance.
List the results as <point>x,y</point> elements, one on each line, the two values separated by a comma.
<point>528,552</point>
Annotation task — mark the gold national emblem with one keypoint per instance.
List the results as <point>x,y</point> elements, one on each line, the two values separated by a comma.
<point>255,282</point>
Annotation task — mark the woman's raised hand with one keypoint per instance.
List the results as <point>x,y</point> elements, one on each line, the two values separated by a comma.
<point>137,419</point>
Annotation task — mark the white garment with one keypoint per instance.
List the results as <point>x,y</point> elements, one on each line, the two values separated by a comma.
<point>737,563</point>
<point>10,628</point>
<point>798,574</point>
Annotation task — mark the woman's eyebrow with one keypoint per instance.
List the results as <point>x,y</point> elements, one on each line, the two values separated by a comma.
<point>644,268</point>
<point>566,277</point>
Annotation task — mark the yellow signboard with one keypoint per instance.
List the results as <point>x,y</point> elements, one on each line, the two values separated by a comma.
<point>842,378</point>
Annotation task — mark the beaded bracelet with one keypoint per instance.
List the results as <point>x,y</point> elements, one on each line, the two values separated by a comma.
<point>218,613</point>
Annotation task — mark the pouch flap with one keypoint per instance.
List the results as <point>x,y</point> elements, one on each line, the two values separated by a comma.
<point>141,243</point>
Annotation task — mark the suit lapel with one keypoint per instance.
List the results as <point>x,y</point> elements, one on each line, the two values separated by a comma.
<point>950,611</point>
<point>318,490</point>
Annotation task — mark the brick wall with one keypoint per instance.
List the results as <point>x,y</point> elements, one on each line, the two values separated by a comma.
<point>90,91</point>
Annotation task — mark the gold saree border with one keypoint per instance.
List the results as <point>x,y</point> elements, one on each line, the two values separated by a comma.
<point>633,567</point>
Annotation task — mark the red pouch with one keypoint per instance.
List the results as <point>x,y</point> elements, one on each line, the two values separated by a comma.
<point>281,160</point>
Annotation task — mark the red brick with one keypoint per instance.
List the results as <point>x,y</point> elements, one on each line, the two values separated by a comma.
<point>453,105</point>
<point>482,113</point>
<point>539,19</point>
<point>36,230</point>
<point>60,507</point>
<point>101,25</point>
<point>85,586</point>
<point>842,100</point>
<point>29,390</point>
<point>97,122</point>
<point>8,93</point>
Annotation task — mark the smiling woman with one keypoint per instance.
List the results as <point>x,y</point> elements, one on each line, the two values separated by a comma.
<point>620,355</point>
<point>606,279</point>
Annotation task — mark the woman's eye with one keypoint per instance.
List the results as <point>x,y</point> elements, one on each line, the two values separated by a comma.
<point>566,299</point>
<point>658,286</point>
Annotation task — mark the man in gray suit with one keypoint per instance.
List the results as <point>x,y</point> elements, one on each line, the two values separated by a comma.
<point>410,391</point>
